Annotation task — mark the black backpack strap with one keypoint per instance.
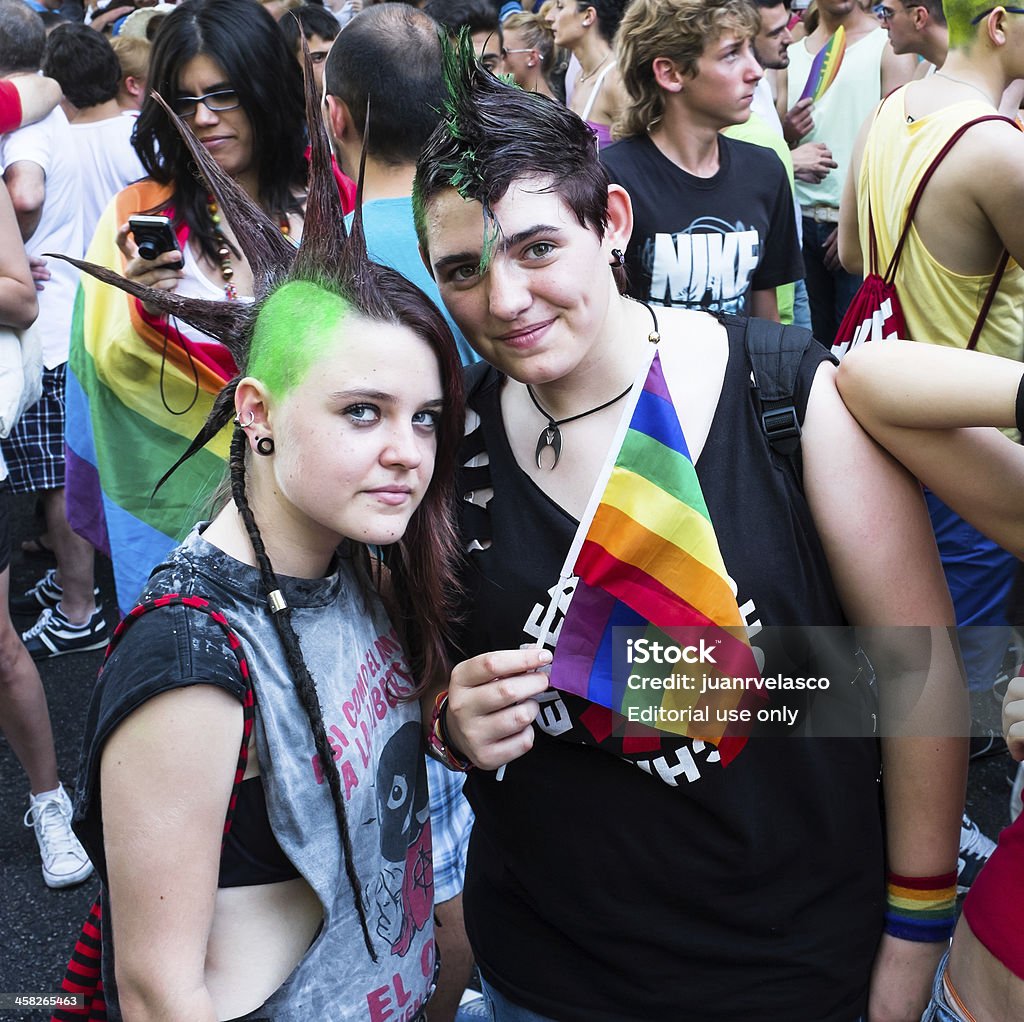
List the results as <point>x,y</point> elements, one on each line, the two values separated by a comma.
<point>776,353</point>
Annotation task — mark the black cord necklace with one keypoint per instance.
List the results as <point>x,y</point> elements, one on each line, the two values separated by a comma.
<point>550,436</point>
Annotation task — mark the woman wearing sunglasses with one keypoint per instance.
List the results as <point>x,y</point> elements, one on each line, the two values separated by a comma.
<point>145,379</point>
<point>529,54</point>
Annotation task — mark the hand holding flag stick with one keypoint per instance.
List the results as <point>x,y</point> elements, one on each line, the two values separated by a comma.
<point>645,557</point>
<point>491,705</point>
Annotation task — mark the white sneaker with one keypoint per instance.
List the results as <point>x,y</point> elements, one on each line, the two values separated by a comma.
<point>64,860</point>
<point>975,849</point>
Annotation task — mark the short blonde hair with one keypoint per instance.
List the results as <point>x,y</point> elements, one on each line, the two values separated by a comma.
<point>132,54</point>
<point>678,29</point>
<point>539,36</point>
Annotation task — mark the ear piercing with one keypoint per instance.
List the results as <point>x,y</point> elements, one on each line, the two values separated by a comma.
<point>265,446</point>
<point>246,425</point>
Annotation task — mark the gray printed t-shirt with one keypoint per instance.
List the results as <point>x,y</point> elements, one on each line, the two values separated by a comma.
<point>354,657</point>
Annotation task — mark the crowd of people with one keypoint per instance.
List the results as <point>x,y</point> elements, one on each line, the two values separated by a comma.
<point>402,359</point>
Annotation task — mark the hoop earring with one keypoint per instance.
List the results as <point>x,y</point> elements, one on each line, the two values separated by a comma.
<point>618,259</point>
<point>246,425</point>
<point>265,446</point>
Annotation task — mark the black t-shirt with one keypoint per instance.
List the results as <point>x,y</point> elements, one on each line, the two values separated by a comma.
<point>612,879</point>
<point>705,243</point>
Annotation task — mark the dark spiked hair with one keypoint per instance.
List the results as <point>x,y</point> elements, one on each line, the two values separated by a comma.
<point>422,595</point>
<point>493,133</point>
<point>246,43</point>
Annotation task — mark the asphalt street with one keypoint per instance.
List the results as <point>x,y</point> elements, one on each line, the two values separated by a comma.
<point>40,925</point>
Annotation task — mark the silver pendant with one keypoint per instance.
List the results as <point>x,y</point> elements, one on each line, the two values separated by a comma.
<point>550,437</point>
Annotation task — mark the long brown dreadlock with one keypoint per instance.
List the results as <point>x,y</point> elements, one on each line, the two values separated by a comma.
<point>422,595</point>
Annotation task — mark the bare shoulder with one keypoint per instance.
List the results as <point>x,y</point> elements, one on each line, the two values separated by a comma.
<point>694,353</point>
<point>824,398</point>
<point>615,85</point>
<point>997,145</point>
<point>690,337</point>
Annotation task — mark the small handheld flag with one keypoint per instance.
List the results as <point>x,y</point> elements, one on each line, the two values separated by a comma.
<point>647,558</point>
<point>825,66</point>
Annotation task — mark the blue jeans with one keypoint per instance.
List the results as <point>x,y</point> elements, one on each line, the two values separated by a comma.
<point>830,291</point>
<point>801,305</point>
<point>938,1009</point>
<point>503,1010</point>
<point>979,575</point>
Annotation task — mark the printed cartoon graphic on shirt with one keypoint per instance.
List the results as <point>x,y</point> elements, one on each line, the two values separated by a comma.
<point>708,265</point>
<point>400,900</point>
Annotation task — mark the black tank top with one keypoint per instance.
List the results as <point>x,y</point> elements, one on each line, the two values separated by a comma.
<point>612,879</point>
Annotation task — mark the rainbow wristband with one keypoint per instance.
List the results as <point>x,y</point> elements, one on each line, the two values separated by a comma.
<point>920,908</point>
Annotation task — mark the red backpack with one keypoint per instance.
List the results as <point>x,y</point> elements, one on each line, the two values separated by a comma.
<point>875,313</point>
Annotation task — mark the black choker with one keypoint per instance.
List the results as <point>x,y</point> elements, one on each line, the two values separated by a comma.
<point>550,435</point>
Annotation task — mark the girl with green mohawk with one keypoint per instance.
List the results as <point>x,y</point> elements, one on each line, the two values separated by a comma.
<point>253,790</point>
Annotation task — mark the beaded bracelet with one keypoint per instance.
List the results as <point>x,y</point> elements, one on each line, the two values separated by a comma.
<point>920,908</point>
<point>440,743</point>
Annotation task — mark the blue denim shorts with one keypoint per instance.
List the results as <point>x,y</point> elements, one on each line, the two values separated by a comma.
<point>939,1009</point>
<point>501,1009</point>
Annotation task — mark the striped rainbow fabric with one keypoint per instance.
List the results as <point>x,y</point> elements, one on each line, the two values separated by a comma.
<point>921,908</point>
<point>825,66</point>
<point>647,557</point>
<point>135,398</point>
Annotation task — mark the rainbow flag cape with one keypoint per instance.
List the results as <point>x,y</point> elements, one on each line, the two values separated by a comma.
<point>647,558</point>
<point>137,392</point>
<point>825,66</point>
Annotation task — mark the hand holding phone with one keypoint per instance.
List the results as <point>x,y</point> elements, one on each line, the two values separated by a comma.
<point>151,253</point>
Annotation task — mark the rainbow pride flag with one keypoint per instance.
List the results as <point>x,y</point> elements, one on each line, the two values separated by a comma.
<point>825,66</point>
<point>646,557</point>
<point>137,393</point>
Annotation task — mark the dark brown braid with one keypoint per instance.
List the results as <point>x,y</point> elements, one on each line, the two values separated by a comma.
<point>305,686</point>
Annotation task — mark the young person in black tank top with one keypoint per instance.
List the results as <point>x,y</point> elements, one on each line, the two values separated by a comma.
<point>596,890</point>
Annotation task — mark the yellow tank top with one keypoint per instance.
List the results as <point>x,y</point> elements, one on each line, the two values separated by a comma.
<point>940,306</point>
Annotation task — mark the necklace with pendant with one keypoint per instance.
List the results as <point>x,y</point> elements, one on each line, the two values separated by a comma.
<point>550,435</point>
<point>590,74</point>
